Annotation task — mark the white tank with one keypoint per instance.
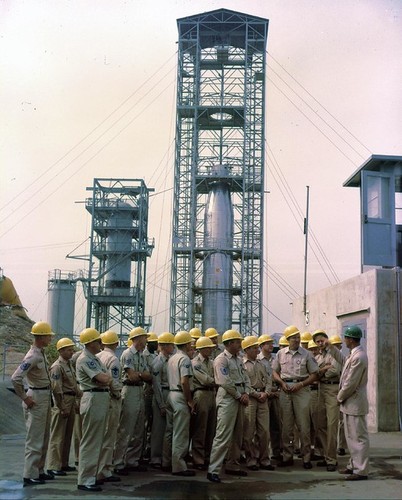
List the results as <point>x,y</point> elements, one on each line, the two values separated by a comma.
<point>61,302</point>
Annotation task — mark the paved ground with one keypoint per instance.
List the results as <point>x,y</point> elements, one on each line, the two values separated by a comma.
<point>293,483</point>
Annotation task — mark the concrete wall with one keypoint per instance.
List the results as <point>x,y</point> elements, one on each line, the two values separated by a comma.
<point>368,299</point>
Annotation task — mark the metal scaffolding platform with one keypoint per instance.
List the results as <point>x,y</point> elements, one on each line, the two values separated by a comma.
<point>115,287</point>
<point>220,121</point>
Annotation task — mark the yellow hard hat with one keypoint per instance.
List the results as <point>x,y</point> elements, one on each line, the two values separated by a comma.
<point>264,338</point>
<point>129,342</point>
<point>152,337</point>
<point>182,338</point>
<point>109,338</point>
<point>204,342</point>
<point>335,339</point>
<point>137,332</point>
<point>211,333</point>
<point>290,331</point>
<point>306,337</point>
<point>195,333</point>
<point>249,341</point>
<point>89,335</point>
<point>311,344</point>
<point>41,328</point>
<point>64,342</point>
<point>283,341</point>
<point>166,338</point>
<point>231,335</point>
<point>319,332</point>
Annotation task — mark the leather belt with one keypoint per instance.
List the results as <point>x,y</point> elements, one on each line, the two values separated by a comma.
<point>259,390</point>
<point>329,382</point>
<point>136,384</point>
<point>165,387</point>
<point>204,389</point>
<point>96,390</point>
<point>47,388</point>
<point>242,384</point>
<point>176,390</point>
<point>69,393</point>
<point>295,380</point>
<point>313,387</point>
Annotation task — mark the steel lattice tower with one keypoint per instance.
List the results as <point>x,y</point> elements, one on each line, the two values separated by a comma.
<point>118,254</point>
<point>220,136</point>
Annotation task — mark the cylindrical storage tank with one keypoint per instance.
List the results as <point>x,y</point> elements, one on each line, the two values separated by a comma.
<point>61,302</point>
<point>217,280</point>
<point>118,246</point>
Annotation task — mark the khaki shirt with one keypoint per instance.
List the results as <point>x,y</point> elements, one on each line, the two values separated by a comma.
<point>149,359</point>
<point>131,358</point>
<point>203,372</point>
<point>87,367</point>
<point>34,368</point>
<point>112,363</point>
<point>63,381</point>
<point>231,375</point>
<point>333,374</point>
<point>160,381</point>
<point>296,365</point>
<point>257,373</point>
<point>179,365</point>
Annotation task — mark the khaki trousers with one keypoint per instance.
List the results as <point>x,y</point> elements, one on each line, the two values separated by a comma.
<point>93,409</point>
<point>314,423</point>
<point>203,425</point>
<point>157,432</point>
<point>358,443</point>
<point>295,408</point>
<point>181,430</point>
<point>275,425</point>
<point>109,439</point>
<point>256,433</point>
<point>228,438</point>
<point>61,432</point>
<point>37,424</point>
<point>328,420</point>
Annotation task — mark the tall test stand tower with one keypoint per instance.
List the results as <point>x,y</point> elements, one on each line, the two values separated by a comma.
<point>217,244</point>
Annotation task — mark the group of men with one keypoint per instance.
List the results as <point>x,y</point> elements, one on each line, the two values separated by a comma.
<point>172,396</point>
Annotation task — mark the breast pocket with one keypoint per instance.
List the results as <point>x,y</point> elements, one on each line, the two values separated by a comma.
<point>301,367</point>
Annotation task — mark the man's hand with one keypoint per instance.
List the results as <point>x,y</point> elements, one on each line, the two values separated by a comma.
<point>29,402</point>
<point>244,399</point>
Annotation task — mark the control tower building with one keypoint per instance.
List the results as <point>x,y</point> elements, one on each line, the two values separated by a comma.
<point>218,213</point>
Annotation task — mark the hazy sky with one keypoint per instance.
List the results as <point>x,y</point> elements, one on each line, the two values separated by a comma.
<point>87,90</point>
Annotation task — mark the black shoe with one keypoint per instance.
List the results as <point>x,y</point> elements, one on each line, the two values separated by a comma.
<point>286,463</point>
<point>93,487</point>
<point>111,479</point>
<point>346,470</point>
<point>355,477</point>
<point>322,463</point>
<point>121,472</point>
<point>53,472</point>
<point>316,457</point>
<point>155,466</point>
<point>278,458</point>
<point>341,452</point>
<point>307,465</point>
<point>99,482</point>
<point>331,468</point>
<point>184,473</point>
<point>214,478</point>
<point>253,467</point>
<point>67,468</point>
<point>267,467</point>
<point>33,482</point>
<point>239,472</point>
<point>46,477</point>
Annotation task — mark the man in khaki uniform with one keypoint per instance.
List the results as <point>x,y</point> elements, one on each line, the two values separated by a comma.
<point>181,402</point>
<point>150,353</point>
<point>204,420</point>
<point>94,382</point>
<point>231,399</point>
<point>328,408</point>
<point>266,357</point>
<point>256,429</point>
<point>35,403</point>
<point>213,335</point>
<point>65,392</point>
<point>160,385</point>
<point>135,372</point>
<point>294,369</point>
<point>110,341</point>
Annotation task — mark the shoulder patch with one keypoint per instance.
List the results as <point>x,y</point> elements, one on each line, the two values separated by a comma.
<point>224,370</point>
<point>24,366</point>
<point>115,372</point>
<point>91,364</point>
<point>197,367</point>
<point>55,376</point>
<point>187,365</point>
<point>156,373</point>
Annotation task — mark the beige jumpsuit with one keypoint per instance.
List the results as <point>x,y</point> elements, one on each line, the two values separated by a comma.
<point>161,390</point>
<point>34,368</point>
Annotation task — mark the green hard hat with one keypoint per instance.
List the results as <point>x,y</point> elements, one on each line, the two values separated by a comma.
<point>354,332</point>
